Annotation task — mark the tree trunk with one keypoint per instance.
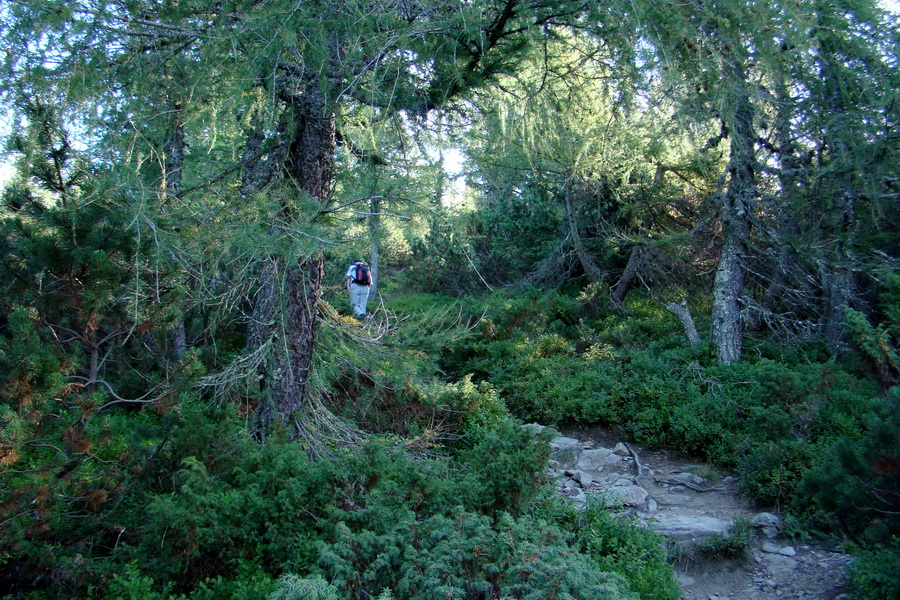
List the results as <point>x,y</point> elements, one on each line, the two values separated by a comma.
<point>629,275</point>
<point>308,165</point>
<point>374,232</point>
<point>173,166</point>
<point>591,270</point>
<point>687,321</point>
<point>728,288</point>
<point>838,278</point>
<point>294,347</point>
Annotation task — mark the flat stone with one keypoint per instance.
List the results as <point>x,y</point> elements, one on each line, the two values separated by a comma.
<point>771,548</point>
<point>779,566</point>
<point>593,460</point>
<point>566,457</point>
<point>631,495</point>
<point>564,442</point>
<point>688,526</point>
<point>674,499</point>
<point>688,478</point>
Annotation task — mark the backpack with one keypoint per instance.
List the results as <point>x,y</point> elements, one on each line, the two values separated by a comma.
<point>363,275</point>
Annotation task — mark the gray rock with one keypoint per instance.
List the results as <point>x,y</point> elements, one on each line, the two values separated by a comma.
<point>566,457</point>
<point>766,520</point>
<point>621,449</point>
<point>689,526</point>
<point>564,442</point>
<point>630,495</point>
<point>584,478</point>
<point>593,460</point>
<point>534,428</point>
<point>688,478</point>
<point>771,548</point>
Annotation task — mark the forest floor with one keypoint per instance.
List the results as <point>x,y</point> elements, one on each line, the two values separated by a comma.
<point>772,568</point>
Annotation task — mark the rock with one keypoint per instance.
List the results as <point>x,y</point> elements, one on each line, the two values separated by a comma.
<point>535,428</point>
<point>583,478</point>
<point>688,478</point>
<point>674,499</point>
<point>779,566</point>
<point>689,526</point>
<point>766,520</point>
<point>566,457</point>
<point>771,548</point>
<point>621,449</point>
<point>652,505</point>
<point>593,460</point>
<point>562,442</point>
<point>630,495</point>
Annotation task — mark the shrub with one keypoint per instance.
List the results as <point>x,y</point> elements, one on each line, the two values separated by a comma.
<point>464,555</point>
<point>623,546</point>
<point>875,574</point>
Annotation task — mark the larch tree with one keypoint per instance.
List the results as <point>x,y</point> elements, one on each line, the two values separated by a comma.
<point>266,87</point>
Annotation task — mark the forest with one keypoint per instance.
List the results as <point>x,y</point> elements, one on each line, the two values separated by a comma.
<point>675,220</point>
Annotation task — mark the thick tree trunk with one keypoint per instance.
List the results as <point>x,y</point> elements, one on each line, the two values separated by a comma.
<point>308,165</point>
<point>727,329</point>
<point>728,288</point>
<point>294,346</point>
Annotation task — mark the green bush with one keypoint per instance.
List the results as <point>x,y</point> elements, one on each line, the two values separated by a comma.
<point>623,546</point>
<point>464,555</point>
<point>875,574</point>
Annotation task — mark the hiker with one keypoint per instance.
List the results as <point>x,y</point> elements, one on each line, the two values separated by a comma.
<point>359,278</point>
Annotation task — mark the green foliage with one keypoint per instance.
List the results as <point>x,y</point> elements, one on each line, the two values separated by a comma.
<point>620,545</point>
<point>441,262</point>
<point>733,544</point>
<point>858,482</point>
<point>464,555</point>
<point>291,587</point>
<point>875,574</point>
<point>504,466</point>
<point>770,419</point>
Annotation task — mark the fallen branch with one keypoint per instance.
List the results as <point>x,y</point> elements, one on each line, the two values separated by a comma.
<point>694,486</point>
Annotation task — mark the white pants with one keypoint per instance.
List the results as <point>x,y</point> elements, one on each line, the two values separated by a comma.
<point>359,297</point>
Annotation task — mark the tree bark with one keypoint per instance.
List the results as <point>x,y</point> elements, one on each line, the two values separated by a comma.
<point>687,321</point>
<point>728,288</point>
<point>173,167</point>
<point>308,166</point>
<point>591,270</point>
<point>374,232</point>
<point>629,275</point>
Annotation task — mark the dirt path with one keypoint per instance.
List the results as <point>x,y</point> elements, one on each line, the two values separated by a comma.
<point>687,503</point>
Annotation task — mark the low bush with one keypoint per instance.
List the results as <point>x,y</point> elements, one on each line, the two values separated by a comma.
<point>465,555</point>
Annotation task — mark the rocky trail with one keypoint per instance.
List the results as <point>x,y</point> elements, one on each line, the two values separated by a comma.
<point>695,509</point>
